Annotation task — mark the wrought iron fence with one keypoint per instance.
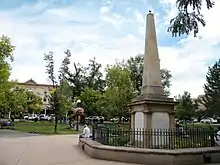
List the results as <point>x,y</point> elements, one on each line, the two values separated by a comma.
<point>154,138</point>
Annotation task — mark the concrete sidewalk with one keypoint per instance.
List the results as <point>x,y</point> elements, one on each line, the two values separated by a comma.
<point>45,150</point>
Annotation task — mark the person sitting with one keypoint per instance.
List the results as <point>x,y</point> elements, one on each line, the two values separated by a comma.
<point>86,132</point>
<point>217,137</point>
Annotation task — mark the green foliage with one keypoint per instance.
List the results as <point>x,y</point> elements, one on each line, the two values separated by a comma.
<point>6,49</point>
<point>49,59</point>
<point>106,97</point>
<point>16,100</point>
<point>19,99</point>
<point>188,17</point>
<point>85,76</point>
<point>34,102</point>
<point>91,99</point>
<point>185,110</point>
<point>65,97</point>
<point>6,56</point>
<point>211,100</point>
<point>166,80</point>
<point>119,91</point>
<point>135,66</point>
<point>94,76</point>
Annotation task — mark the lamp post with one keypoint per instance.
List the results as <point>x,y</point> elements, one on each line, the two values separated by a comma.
<point>78,104</point>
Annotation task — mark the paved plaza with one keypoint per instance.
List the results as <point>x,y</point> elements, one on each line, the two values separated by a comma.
<point>18,148</point>
<point>27,149</point>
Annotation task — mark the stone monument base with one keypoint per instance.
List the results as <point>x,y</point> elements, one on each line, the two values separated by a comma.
<point>153,114</point>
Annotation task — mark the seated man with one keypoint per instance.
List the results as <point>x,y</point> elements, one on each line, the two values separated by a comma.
<point>217,141</point>
<point>86,132</point>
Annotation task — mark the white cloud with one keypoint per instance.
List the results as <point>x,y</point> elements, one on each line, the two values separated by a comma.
<point>35,35</point>
<point>190,58</point>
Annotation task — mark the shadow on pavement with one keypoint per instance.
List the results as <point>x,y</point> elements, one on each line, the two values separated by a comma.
<point>7,133</point>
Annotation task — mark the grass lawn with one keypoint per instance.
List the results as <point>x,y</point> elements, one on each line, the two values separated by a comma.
<point>43,128</point>
<point>115,125</point>
<point>201,125</point>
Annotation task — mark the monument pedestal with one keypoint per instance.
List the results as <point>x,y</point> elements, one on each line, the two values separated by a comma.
<point>154,118</point>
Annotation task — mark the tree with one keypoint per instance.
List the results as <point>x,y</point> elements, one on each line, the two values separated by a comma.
<point>166,80</point>
<point>119,91</point>
<point>55,92</point>
<point>34,102</point>
<point>91,99</point>
<point>135,66</point>
<point>76,79</point>
<point>186,108</point>
<point>211,100</point>
<point>6,56</point>
<point>66,102</point>
<point>65,88</point>
<point>19,100</point>
<point>189,17</point>
<point>94,77</point>
<point>64,68</point>
<point>84,76</point>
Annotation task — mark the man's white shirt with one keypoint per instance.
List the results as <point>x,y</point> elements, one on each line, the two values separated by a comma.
<point>86,132</point>
<point>218,136</point>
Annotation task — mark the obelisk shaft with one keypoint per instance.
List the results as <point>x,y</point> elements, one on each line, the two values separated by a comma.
<point>151,83</point>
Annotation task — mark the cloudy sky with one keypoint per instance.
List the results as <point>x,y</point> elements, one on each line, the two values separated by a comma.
<point>107,30</point>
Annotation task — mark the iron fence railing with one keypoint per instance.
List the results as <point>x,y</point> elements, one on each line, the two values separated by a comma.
<point>154,138</point>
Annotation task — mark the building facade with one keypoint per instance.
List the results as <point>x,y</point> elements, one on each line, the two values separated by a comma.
<point>41,90</point>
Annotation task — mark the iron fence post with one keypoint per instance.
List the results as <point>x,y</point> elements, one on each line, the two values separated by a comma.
<point>93,133</point>
<point>212,137</point>
<point>107,137</point>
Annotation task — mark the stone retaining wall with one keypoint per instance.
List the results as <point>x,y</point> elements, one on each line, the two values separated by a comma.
<point>196,156</point>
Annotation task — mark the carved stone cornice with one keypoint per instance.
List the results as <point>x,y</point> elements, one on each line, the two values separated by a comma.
<point>132,112</point>
<point>148,111</point>
<point>172,113</point>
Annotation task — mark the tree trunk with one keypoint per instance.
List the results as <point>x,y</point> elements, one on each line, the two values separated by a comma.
<point>119,120</point>
<point>9,115</point>
<point>56,123</point>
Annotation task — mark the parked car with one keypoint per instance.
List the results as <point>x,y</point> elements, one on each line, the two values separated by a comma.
<point>115,119</point>
<point>94,119</point>
<point>213,121</point>
<point>44,117</point>
<point>209,121</point>
<point>51,117</point>
<point>195,120</point>
<point>31,117</point>
<point>101,119</point>
<point>26,117</point>
<point>206,120</point>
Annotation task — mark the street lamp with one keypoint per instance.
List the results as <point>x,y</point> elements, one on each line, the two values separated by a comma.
<point>78,111</point>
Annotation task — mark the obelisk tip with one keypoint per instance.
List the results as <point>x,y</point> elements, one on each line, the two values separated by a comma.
<point>150,12</point>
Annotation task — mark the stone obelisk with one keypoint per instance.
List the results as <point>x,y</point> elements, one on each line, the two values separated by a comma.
<point>151,83</point>
<point>152,109</point>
